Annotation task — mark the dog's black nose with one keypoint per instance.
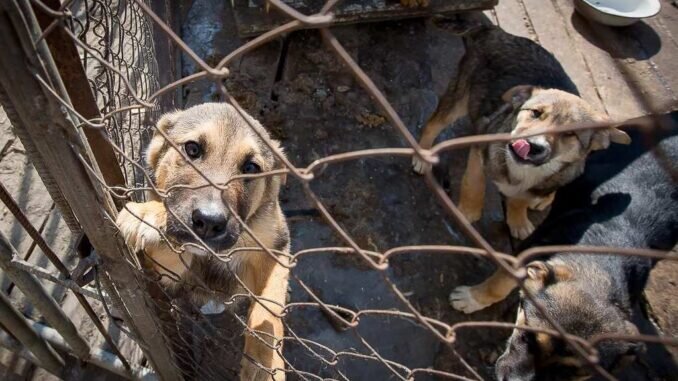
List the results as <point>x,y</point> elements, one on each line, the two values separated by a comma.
<point>208,224</point>
<point>539,152</point>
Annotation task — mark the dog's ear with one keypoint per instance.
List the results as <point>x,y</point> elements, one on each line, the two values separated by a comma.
<point>158,143</point>
<point>280,165</point>
<point>602,138</point>
<point>517,95</point>
<point>540,274</point>
<point>537,271</point>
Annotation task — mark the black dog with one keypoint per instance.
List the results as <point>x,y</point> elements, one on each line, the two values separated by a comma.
<point>627,197</point>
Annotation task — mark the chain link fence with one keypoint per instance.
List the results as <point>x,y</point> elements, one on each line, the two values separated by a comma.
<point>88,145</point>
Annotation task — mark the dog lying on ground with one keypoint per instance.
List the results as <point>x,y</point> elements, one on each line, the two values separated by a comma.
<point>625,198</point>
<point>501,68</point>
<point>219,143</point>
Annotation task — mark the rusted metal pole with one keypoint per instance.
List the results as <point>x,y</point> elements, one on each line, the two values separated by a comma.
<point>14,322</point>
<point>49,309</point>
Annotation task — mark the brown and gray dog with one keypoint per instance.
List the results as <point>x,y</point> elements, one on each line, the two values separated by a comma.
<point>216,140</point>
<point>627,197</point>
<point>501,68</point>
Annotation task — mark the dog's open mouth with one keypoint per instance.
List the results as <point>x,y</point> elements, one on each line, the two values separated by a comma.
<point>520,151</point>
<point>526,152</point>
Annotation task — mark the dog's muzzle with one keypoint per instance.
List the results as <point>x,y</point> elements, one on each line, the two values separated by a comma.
<point>214,227</point>
<point>535,151</point>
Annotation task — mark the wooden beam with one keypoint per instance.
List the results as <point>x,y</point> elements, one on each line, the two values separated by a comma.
<point>253,19</point>
<point>65,153</point>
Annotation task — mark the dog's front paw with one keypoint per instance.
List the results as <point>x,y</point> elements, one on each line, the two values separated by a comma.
<point>541,203</point>
<point>249,371</point>
<point>462,300</point>
<point>419,166</point>
<point>414,3</point>
<point>471,212</point>
<point>521,229</point>
<point>140,224</point>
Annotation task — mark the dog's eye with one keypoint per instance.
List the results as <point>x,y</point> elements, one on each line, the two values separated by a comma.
<point>250,167</point>
<point>536,114</point>
<point>193,149</point>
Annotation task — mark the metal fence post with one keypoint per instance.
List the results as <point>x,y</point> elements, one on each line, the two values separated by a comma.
<point>65,154</point>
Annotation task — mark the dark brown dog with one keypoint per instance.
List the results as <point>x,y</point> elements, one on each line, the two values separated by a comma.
<point>499,68</point>
<point>221,145</point>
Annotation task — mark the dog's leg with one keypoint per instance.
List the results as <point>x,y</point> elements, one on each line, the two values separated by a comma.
<point>267,326</point>
<point>516,217</point>
<point>473,186</point>
<point>541,203</point>
<point>494,289</point>
<point>451,108</point>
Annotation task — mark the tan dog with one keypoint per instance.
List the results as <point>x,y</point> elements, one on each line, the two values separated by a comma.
<point>500,68</point>
<point>221,145</point>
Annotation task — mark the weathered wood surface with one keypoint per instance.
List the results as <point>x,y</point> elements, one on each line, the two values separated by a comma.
<point>51,132</point>
<point>252,18</point>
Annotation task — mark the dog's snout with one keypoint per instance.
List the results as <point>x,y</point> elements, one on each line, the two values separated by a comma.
<point>209,223</point>
<point>540,151</point>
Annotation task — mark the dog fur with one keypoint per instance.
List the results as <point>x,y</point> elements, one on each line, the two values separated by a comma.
<point>227,147</point>
<point>500,68</point>
<point>625,198</point>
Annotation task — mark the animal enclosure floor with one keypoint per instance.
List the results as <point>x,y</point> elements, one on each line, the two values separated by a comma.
<point>311,103</point>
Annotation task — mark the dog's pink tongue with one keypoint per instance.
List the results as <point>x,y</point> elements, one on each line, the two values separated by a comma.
<point>521,147</point>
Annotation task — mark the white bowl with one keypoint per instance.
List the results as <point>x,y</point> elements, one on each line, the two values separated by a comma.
<point>617,12</point>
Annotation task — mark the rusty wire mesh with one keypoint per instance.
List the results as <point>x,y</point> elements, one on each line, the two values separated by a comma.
<point>116,47</point>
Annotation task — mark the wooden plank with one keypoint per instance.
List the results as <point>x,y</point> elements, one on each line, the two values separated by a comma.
<point>619,101</point>
<point>253,19</point>
<point>552,35</point>
<point>54,137</point>
<point>67,61</point>
<point>513,18</point>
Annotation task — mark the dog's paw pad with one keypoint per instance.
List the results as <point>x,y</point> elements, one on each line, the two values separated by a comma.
<point>462,300</point>
<point>212,308</point>
<point>521,230</point>
<point>419,166</point>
